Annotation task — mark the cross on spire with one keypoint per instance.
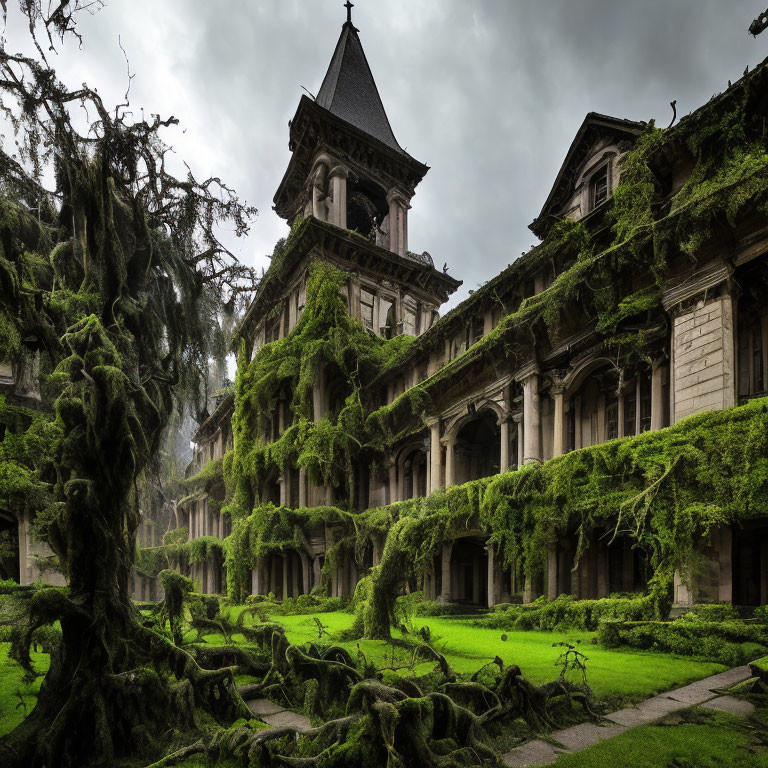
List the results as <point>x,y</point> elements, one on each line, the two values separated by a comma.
<point>349,6</point>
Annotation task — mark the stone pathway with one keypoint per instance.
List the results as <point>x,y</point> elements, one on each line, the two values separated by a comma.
<point>579,737</point>
<point>277,716</point>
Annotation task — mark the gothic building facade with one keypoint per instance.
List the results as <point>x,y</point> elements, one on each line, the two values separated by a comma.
<point>704,347</point>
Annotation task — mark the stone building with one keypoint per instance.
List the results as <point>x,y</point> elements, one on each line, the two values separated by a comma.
<point>705,348</point>
<point>20,388</point>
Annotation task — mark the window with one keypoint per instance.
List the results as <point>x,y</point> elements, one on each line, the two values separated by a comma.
<point>753,353</point>
<point>366,308</point>
<point>387,317</point>
<point>612,420</point>
<point>273,329</point>
<point>410,308</point>
<point>630,414</point>
<point>598,187</point>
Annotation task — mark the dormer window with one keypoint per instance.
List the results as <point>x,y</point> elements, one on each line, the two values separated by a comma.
<point>598,187</point>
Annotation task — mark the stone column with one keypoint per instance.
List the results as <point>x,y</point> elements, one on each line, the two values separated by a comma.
<point>558,444</point>
<point>398,222</point>
<point>393,490</point>
<point>487,322</point>
<point>552,570</point>
<point>531,420</point>
<point>638,404</point>
<point>621,414</point>
<point>530,593</point>
<point>302,487</point>
<point>445,568</point>
<point>273,575</point>
<point>318,192</point>
<point>286,590</point>
<point>284,488</point>
<point>518,419</point>
<point>338,186</point>
<point>657,394</point>
<point>295,575</point>
<point>504,453</point>
<point>491,575</point>
<point>435,456</point>
<point>259,578</point>
<point>683,595</point>
<point>306,572</point>
<point>450,462</point>
<point>354,297</point>
<point>317,571</point>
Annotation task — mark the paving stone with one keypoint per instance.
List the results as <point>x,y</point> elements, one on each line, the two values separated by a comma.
<point>287,719</point>
<point>264,707</point>
<point>731,705</point>
<point>700,691</point>
<point>586,735</point>
<point>695,693</point>
<point>632,716</point>
<point>658,706</point>
<point>531,753</point>
<point>728,678</point>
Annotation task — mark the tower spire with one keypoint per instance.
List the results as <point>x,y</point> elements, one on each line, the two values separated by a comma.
<point>349,6</point>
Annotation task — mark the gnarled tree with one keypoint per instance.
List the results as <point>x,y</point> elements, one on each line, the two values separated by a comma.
<point>113,276</point>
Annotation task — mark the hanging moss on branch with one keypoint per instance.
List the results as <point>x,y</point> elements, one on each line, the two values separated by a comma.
<point>115,278</point>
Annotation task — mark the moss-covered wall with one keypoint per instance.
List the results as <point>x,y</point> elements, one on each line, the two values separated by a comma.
<point>665,490</point>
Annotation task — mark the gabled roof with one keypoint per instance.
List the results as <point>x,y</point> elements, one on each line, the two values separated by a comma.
<point>349,90</point>
<point>594,126</point>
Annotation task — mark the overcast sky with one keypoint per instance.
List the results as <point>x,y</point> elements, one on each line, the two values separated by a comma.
<point>488,93</point>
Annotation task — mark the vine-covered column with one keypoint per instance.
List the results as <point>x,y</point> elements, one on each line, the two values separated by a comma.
<point>445,568</point>
<point>529,377</point>
<point>435,456</point>
<point>450,461</point>
<point>558,444</point>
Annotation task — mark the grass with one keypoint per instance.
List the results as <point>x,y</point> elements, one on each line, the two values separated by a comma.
<point>629,675</point>
<point>707,740</point>
<point>13,709</point>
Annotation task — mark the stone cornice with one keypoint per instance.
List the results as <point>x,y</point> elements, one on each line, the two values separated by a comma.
<point>694,282</point>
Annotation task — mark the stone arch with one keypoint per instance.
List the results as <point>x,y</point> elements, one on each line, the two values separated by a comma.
<point>582,370</point>
<point>458,422</point>
<point>474,447</point>
<point>412,471</point>
<point>592,402</point>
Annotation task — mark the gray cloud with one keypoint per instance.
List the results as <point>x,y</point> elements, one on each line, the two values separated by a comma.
<point>489,93</point>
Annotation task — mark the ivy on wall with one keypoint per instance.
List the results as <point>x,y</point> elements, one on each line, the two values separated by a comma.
<point>664,490</point>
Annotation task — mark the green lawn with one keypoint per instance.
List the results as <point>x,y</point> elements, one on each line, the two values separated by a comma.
<point>12,711</point>
<point>611,673</point>
<point>711,740</point>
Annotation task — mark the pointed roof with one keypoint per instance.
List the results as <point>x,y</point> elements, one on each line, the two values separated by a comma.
<point>349,90</point>
<point>594,126</point>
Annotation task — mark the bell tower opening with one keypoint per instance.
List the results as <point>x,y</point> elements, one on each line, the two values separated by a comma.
<point>367,209</point>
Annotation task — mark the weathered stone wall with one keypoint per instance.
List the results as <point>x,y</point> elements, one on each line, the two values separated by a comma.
<point>703,355</point>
